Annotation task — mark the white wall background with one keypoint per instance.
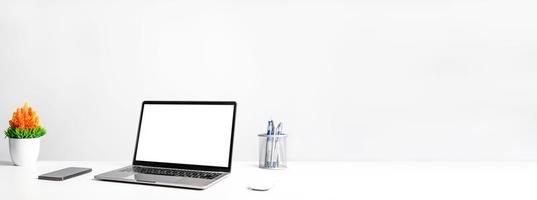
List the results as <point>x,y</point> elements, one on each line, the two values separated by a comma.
<point>352,80</point>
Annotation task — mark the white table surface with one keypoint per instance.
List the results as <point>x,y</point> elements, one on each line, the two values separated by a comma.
<point>302,180</point>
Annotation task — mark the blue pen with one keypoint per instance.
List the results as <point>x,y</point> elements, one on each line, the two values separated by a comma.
<point>270,131</point>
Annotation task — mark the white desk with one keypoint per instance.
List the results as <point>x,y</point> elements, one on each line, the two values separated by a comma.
<point>302,180</point>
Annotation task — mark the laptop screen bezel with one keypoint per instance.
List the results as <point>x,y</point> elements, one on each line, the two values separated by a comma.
<point>186,166</point>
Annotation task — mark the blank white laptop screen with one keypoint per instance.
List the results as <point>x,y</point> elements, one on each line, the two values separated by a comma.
<point>186,134</point>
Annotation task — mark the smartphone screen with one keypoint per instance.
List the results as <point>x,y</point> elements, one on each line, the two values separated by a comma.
<point>63,174</point>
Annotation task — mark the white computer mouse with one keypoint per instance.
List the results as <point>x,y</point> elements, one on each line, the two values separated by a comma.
<point>261,185</point>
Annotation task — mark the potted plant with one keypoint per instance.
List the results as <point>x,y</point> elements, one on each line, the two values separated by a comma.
<point>24,134</point>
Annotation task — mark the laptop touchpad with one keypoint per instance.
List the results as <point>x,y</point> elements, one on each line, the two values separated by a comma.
<point>156,178</point>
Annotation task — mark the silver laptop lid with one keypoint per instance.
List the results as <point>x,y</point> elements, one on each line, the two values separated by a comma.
<point>194,135</point>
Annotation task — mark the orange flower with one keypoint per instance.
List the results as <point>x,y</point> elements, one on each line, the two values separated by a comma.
<point>24,117</point>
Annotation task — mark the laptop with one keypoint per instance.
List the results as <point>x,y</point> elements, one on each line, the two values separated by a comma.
<point>185,144</point>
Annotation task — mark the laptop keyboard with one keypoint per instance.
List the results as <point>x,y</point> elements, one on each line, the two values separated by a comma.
<point>176,172</point>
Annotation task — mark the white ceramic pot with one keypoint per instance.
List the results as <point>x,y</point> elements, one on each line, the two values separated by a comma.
<point>24,152</point>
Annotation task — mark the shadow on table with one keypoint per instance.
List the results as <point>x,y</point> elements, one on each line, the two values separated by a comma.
<point>5,163</point>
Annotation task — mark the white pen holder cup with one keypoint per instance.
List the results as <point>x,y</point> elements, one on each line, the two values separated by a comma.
<point>273,151</point>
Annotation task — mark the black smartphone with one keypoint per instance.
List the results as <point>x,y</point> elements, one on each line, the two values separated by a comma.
<point>63,174</point>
